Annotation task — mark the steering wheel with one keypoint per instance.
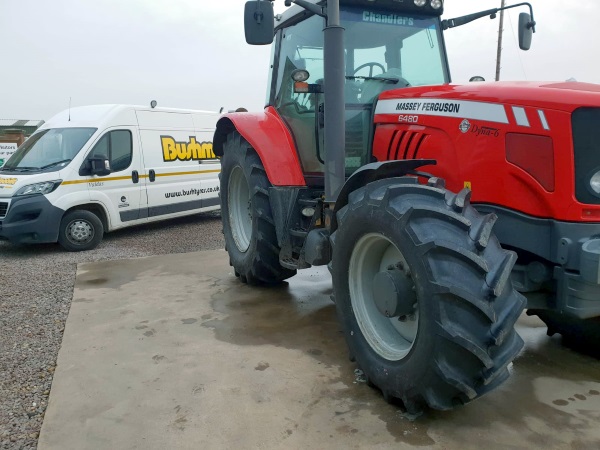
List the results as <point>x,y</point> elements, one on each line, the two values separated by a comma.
<point>371,66</point>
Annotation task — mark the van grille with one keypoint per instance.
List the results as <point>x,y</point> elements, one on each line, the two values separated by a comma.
<point>3,208</point>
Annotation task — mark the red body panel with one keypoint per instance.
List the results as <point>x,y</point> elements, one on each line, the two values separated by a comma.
<point>271,139</point>
<point>469,142</point>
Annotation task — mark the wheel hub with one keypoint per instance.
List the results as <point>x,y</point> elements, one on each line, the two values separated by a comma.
<point>394,293</point>
<point>382,296</point>
<point>80,231</point>
<point>240,209</point>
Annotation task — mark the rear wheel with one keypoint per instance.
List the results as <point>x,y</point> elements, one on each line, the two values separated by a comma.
<point>80,230</point>
<point>248,225</point>
<point>423,292</point>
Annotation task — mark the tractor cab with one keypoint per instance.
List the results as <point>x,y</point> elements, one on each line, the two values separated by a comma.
<point>385,47</point>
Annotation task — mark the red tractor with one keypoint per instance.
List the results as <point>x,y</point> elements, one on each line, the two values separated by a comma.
<point>368,160</point>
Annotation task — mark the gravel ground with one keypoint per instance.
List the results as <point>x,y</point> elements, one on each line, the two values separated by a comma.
<point>36,288</point>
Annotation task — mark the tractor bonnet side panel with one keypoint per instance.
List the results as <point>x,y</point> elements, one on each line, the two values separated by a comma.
<point>509,154</point>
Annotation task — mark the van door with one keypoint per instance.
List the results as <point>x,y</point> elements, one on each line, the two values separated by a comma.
<point>122,191</point>
<point>169,147</point>
<point>210,166</point>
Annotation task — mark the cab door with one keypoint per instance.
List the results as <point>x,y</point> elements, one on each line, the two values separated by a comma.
<point>122,192</point>
<point>301,47</point>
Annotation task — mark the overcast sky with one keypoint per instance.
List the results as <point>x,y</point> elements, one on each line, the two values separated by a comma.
<point>192,53</point>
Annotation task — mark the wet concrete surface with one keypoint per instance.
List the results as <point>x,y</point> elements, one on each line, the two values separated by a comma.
<point>174,352</point>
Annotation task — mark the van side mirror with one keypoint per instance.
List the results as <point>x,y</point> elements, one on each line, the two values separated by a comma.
<point>525,31</point>
<point>100,165</point>
<point>259,22</point>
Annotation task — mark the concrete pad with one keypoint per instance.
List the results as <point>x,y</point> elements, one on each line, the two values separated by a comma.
<point>173,352</point>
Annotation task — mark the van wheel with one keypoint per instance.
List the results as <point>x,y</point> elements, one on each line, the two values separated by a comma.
<point>80,230</point>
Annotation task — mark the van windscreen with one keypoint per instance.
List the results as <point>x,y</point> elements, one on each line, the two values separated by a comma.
<point>49,149</point>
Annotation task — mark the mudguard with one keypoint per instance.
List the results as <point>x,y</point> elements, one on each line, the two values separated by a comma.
<point>373,172</point>
<point>270,138</point>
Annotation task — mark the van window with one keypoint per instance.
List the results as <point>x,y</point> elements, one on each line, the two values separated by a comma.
<point>117,147</point>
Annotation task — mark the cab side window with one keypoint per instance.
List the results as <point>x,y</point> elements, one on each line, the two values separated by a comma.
<point>117,147</point>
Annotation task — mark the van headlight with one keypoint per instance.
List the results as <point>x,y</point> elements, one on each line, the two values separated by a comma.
<point>38,188</point>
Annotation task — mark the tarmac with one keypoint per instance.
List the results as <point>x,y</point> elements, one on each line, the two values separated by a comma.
<point>173,352</point>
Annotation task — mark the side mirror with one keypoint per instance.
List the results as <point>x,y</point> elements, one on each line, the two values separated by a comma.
<point>100,165</point>
<point>525,31</point>
<point>259,22</point>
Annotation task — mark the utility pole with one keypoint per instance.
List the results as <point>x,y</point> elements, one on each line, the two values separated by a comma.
<point>500,30</point>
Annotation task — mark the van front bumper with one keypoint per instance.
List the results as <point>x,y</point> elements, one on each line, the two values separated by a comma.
<point>31,220</point>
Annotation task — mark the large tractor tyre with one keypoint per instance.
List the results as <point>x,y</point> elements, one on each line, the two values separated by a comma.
<point>80,230</point>
<point>578,333</point>
<point>248,225</point>
<point>423,292</point>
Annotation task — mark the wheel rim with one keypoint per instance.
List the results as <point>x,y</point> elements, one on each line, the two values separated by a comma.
<point>240,209</point>
<point>80,232</point>
<point>390,337</point>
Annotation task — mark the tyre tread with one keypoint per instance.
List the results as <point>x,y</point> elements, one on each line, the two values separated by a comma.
<point>263,266</point>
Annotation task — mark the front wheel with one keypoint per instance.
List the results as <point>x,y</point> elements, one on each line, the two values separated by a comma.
<point>248,224</point>
<point>423,292</point>
<point>80,230</point>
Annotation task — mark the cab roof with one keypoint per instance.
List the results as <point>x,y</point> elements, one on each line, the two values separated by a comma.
<point>296,12</point>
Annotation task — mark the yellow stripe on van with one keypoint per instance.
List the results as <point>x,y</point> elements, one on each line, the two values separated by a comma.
<point>171,174</point>
<point>92,180</point>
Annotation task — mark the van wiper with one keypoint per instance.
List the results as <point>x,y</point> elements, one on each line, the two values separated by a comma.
<point>385,79</point>
<point>55,164</point>
<point>21,169</point>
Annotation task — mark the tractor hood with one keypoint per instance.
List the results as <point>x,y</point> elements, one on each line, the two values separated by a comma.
<point>563,96</point>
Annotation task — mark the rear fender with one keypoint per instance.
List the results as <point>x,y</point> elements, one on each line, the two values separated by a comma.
<point>270,138</point>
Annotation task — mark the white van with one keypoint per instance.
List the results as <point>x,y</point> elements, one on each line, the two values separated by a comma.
<point>95,169</point>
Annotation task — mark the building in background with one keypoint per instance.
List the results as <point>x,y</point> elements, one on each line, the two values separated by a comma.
<point>13,133</point>
<point>27,126</point>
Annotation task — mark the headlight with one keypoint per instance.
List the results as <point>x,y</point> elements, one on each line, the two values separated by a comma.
<point>38,188</point>
<point>595,182</point>
<point>300,75</point>
<point>420,2</point>
<point>436,4</point>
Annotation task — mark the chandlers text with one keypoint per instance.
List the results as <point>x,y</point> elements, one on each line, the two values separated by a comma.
<point>392,19</point>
